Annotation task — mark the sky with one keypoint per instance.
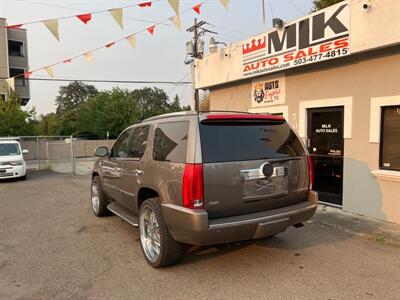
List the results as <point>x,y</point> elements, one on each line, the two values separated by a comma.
<point>156,58</point>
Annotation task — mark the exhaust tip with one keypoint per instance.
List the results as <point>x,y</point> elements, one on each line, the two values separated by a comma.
<point>298,225</point>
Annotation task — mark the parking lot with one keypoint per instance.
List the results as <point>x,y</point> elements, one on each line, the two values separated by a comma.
<point>52,247</point>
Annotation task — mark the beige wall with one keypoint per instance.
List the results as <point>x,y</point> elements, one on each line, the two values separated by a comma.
<point>362,79</point>
<point>3,58</point>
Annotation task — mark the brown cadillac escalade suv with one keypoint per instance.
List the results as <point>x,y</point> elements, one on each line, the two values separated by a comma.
<point>203,179</point>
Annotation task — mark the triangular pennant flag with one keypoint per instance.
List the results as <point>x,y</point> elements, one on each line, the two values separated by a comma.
<point>67,61</point>
<point>85,18</point>
<point>151,29</point>
<point>225,3</point>
<point>144,4</point>
<point>89,56</point>
<point>110,45</point>
<point>27,74</point>
<point>117,13</point>
<point>11,83</point>
<point>177,22</point>
<point>52,25</point>
<point>49,71</point>
<point>196,8</point>
<point>132,40</point>
<point>16,26</point>
<point>175,5</point>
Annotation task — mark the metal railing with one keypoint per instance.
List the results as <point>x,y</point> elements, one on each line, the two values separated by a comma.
<point>63,154</point>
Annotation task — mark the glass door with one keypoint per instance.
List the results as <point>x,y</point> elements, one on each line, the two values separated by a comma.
<point>325,144</point>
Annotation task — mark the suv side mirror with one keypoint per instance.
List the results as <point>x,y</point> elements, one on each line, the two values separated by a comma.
<point>25,151</point>
<point>101,151</point>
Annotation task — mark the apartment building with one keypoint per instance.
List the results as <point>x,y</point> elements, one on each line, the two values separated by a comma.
<point>13,61</point>
<point>335,76</point>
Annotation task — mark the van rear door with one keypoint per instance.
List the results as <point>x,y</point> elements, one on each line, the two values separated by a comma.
<point>251,163</point>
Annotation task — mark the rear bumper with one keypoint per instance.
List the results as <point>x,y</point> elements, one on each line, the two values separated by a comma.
<point>193,227</point>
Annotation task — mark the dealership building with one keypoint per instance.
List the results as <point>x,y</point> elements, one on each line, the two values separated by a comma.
<point>335,76</point>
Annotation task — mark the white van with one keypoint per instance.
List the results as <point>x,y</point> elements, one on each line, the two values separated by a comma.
<point>12,163</point>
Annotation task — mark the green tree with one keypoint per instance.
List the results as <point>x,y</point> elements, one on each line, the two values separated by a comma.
<point>320,4</point>
<point>110,111</point>
<point>49,124</point>
<point>69,100</point>
<point>176,105</point>
<point>13,120</point>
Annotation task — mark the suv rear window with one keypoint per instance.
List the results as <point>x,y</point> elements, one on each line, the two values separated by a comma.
<point>239,141</point>
<point>170,142</point>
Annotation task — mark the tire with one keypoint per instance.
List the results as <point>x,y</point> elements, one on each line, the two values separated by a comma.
<point>170,251</point>
<point>99,201</point>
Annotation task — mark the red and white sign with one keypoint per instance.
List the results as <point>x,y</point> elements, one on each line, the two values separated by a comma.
<point>268,91</point>
<point>321,36</point>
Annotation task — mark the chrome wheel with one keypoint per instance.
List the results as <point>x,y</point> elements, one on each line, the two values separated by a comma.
<point>149,233</point>
<point>95,198</point>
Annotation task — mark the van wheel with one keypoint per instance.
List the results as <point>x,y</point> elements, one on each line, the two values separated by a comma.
<point>99,200</point>
<point>158,246</point>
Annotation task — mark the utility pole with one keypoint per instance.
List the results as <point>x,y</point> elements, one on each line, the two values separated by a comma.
<point>195,50</point>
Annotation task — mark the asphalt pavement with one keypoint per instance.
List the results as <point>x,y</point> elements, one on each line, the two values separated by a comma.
<point>53,247</point>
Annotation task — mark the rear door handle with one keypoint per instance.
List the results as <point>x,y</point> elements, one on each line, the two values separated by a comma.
<point>138,172</point>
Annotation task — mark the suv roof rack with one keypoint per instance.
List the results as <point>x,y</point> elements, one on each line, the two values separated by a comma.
<point>192,112</point>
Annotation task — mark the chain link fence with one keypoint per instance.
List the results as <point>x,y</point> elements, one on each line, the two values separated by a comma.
<point>62,154</point>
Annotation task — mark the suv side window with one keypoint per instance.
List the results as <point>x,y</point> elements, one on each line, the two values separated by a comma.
<point>170,142</point>
<point>120,147</point>
<point>138,142</point>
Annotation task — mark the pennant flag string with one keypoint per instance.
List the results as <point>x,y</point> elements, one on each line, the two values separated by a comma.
<point>11,83</point>
<point>118,15</point>
<point>151,29</point>
<point>225,3</point>
<point>175,5</point>
<point>196,8</point>
<point>176,20</point>
<point>85,18</point>
<point>53,27</point>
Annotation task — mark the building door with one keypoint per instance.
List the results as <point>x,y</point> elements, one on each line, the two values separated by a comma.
<point>325,144</point>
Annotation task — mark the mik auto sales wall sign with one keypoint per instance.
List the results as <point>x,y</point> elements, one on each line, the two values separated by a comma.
<point>268,91</point>
<point>321,36</point>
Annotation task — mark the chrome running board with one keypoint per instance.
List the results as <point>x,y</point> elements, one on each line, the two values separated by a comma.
<point>123,214</point>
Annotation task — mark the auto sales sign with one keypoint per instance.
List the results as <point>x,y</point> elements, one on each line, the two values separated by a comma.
<point>323,35</point>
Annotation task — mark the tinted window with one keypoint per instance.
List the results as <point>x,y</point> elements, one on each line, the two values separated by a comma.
<point>120,147</point>
<point>170,142</point>
<point>390,138</point>
<point>9,149</point>
<point>238,141</point>
<point>138,142</point>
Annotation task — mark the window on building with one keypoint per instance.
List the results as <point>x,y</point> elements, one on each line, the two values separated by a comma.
<point>20,80</point>
<point>138,142</point>
<point>390,138</point>
<point>170,142</point>
<point>2,97</point>
<point>15,48</point>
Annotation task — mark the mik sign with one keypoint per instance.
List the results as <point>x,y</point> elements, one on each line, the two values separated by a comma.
<point>321,36</point>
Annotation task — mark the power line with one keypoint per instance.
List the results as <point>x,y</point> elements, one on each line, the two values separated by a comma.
<point>296,7</point>
<point>180,83</point>
<point>177,83</point>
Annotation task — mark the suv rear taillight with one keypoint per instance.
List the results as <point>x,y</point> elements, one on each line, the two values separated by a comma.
<point>192,186</point>
<point>310,172</point>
